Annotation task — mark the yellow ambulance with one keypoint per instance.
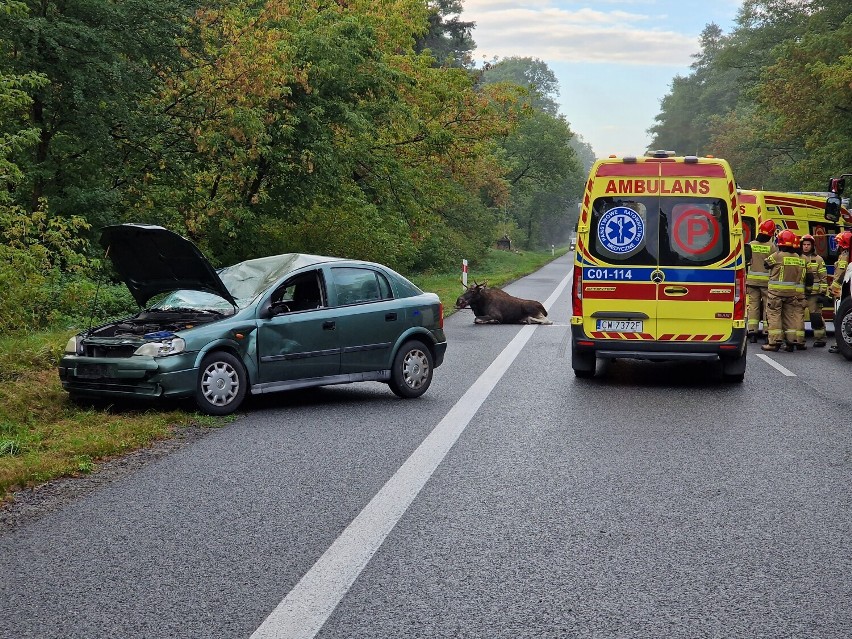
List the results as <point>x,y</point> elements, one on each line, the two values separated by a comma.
<point>802,213</point>
<point>659,269</point>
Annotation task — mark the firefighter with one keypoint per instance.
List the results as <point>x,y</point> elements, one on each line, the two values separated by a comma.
<point>786,289</point>
<point>757,278</point>
<point>843,240</point>
<point>816,286</point>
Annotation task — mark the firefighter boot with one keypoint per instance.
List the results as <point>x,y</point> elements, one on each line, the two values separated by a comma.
<point>752,337</point>
<point>819,343</point>
<point>771,347</point>
<point>790,347</point>
<point>800,346</point>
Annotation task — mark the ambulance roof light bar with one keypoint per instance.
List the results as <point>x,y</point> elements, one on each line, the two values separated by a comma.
<point>660,153</point>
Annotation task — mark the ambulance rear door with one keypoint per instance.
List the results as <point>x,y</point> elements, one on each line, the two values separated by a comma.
<point>619,297</point>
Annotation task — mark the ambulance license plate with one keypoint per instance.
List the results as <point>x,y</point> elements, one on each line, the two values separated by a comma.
<point>620,326</point>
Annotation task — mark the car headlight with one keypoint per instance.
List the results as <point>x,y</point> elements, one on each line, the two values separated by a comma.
<point>73,346</point>
<point>163,348</point>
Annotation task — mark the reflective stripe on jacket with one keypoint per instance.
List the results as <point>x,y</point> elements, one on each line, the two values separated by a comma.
<point>816,267</point>
<point>839,272</point>
<point>786,274</point>
<point>758,274</point>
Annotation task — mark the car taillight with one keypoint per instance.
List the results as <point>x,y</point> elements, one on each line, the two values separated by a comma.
<point>739,295</point>
<point>577,293</point>
<point>441,315</point>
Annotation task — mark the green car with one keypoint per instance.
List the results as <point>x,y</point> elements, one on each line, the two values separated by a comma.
<point>269,324</point>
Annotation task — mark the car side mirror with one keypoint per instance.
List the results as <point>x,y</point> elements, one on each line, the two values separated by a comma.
<point>832,208</point>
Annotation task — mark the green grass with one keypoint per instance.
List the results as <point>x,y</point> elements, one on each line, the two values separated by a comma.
<point>43,435</point>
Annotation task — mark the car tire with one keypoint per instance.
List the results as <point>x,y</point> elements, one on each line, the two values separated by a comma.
<point>733,368</point>
<point>221,385</point>
<point>843,328</point>
<point>583,362</point>
<point>411,371</point>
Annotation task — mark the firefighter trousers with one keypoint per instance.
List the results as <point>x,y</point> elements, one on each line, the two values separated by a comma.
<point>785,315</point>
<point>757,298</point>
<point>814,306</point>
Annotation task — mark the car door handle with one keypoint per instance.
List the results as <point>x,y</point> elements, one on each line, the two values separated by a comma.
<point>676,290</point>
<point>390,317</point>
<point>328,326</point>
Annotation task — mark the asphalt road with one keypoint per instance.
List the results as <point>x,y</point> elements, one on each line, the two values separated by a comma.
<point>511,500</point>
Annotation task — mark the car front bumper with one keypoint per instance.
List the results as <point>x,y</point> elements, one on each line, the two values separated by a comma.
<point>173,376</point>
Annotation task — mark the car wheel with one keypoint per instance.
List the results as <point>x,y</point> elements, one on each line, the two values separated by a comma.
<point>582,362</point>
<point>843,328</point>
<point>411,372</point>
<point>221,385</point>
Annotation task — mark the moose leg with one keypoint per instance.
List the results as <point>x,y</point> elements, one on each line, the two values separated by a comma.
<point>537,319</point>
<point>485,319</point>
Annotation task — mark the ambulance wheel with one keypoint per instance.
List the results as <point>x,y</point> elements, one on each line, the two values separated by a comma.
<point>733,368</point>
<point>582,362</point>
<point>843,328</point>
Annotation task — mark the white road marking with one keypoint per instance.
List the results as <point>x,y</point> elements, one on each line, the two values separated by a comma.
<point>776,365</point>
<point>306,608</point>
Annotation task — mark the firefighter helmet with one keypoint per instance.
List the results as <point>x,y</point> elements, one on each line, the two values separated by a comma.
<point>786,238</point>
<point>767,227</point>
<point>843,239</point>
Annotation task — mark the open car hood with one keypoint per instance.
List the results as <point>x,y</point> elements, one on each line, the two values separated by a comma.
<point>154,260</point>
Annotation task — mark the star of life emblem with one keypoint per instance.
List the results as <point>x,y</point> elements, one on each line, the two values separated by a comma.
<point>621,230</point>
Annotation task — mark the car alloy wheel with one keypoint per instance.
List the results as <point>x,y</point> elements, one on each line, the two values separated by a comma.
<point>221,384</point>
<point>412,370</point>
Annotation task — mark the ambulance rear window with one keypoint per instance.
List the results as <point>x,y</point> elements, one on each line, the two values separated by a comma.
<point>669,231</point>
<point>695,231</point>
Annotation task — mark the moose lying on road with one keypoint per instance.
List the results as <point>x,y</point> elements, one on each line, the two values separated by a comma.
<point>494,306</point>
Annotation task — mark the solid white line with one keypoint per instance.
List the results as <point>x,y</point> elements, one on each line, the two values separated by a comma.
<point>306,608</point>
<point>776,365</point>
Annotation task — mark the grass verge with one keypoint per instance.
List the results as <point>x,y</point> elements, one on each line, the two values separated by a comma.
<point>43,435</point>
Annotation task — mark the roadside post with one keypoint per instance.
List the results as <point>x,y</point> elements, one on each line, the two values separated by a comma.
<point>464,273</point>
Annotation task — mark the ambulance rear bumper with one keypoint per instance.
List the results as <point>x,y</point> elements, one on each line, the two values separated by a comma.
<point>657,350</point>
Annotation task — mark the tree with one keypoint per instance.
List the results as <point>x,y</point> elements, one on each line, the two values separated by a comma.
<point>448,39</point>
<point>100,59</point>
<point>530,73</point>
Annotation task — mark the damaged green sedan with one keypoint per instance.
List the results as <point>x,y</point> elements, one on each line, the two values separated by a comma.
<point>270,324</point>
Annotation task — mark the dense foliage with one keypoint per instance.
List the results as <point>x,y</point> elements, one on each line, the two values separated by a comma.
<point>774,97</point>
<point>351,128</point>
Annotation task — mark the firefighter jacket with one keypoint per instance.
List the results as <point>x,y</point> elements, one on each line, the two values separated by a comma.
<point>817,274</point>
<point>786,274</point>
<point>758,275</point>
<point>839,272</point>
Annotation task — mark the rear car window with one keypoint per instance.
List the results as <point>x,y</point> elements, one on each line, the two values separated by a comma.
<point>357,285</point>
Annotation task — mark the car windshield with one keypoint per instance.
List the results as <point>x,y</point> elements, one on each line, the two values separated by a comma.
<point>244,281</point>
<point>194,301</point>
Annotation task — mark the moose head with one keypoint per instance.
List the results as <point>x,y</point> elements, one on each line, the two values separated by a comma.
<point>471,295</point>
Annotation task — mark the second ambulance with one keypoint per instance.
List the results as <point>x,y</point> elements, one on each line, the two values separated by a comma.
<point>659,270</point>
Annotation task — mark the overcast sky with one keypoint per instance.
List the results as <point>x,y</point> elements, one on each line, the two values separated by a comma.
<point>614,59</point>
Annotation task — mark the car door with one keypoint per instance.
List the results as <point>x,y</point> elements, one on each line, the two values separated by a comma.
<point>297,335</point>
<point>370,320</point>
